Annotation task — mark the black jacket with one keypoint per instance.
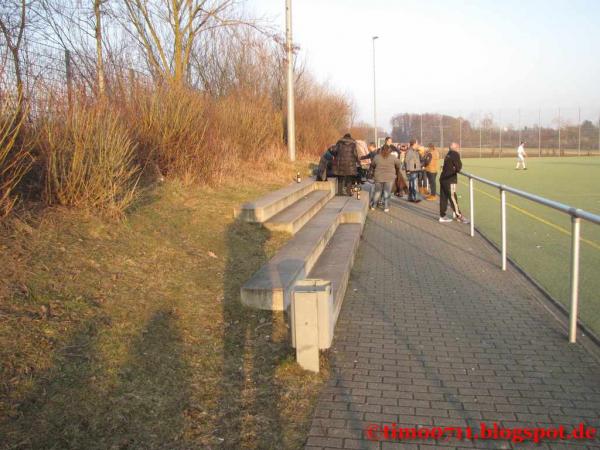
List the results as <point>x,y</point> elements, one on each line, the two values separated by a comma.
<point>346,158</point>
<point>452,166</point>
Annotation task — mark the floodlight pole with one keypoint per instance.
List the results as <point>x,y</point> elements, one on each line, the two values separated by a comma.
<point>291,121</point>
<point>374,38</point>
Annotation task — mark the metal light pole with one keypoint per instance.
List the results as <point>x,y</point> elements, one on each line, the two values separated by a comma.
<point>374,38</point>
<point>291,121</point>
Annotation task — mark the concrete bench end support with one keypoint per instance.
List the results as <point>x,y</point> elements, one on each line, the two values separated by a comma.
<point>312,318</point>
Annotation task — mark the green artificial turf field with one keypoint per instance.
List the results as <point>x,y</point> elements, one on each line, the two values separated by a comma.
<point>539,238</point>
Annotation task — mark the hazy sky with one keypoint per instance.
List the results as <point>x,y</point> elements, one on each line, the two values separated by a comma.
<point>453,56</point>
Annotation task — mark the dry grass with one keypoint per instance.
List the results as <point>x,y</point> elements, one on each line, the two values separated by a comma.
<point>15,158</point>
<point>132,335</point>
<point>88,158</point>
<point>322,118</point>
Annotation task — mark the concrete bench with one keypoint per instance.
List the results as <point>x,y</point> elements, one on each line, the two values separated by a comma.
<point>293,218</point>
<point>335,265</point>
<point>317,300</point>
<point>274,202</point>
<point>271,287</point>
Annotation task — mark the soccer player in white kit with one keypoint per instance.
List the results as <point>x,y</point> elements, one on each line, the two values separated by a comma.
<point>521,156</point>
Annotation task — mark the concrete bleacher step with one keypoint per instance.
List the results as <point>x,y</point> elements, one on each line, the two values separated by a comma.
<point>271,287</point>
<point>336,261</point>
<point>295,216</point>
<point>264,208</point>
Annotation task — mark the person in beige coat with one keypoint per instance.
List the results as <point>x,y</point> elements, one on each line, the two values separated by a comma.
<point>432,157</point>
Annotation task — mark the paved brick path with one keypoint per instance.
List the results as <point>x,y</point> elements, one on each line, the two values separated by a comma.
<point>433,333</point>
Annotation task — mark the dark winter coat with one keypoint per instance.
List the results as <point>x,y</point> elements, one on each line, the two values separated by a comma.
<point>346,158</point>
<point>324,169</point>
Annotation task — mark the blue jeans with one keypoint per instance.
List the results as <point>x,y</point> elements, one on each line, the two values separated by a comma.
<point>386,188</point>
<point>413,178</point>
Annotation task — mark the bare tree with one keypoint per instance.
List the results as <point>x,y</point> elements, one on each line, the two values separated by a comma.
<point>167,30</point>
<point>74,25</point>
<point>98,36</point>
<point>13,21</point>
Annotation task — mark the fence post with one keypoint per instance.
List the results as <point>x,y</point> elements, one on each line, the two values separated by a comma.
<point>540,132</point>
<point>500,151</point>
<point>520,135</point>
<point>503,219</point>
<point>575,231</point>
<point>480,137</point>
<point>472,206</point>
<point>132,83</point>
<point>441,131</point>
<point>579,131</point>
<point>559,127</point>
<point>69,75</point>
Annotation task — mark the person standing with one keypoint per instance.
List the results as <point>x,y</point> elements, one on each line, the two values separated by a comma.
<point>521,156</point>
<point>448,181</point>
<point>372,150</point>
<point>385,167</point>
<point>422,181</point>
<point>367,160</point>
<point>345,163</point>
<point>432,158</point>
<point>412,164</point>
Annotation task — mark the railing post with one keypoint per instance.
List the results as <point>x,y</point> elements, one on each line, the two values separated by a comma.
<point>575,232</point>
<point>472,206</point>
<point>503,218</point>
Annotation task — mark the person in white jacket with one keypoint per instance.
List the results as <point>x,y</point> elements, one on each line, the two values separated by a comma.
<point>521,156</point>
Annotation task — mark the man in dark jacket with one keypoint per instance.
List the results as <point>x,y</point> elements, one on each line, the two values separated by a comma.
<point>448,181</point>
<point>345,163</point>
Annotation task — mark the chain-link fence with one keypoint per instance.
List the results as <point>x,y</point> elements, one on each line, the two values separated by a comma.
<point>47,72</point>
<point>558,132</point>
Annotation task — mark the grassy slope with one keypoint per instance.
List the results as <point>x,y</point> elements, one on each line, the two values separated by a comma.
<point>131,335</point>
<point>541,249</point>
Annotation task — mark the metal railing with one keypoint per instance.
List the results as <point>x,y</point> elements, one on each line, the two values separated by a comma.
<point>576,216</point>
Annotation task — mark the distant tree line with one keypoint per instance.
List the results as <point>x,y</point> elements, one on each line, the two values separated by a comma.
<point>441,129</point>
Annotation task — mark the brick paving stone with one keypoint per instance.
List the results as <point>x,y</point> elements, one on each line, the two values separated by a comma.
<point>432,333</point>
